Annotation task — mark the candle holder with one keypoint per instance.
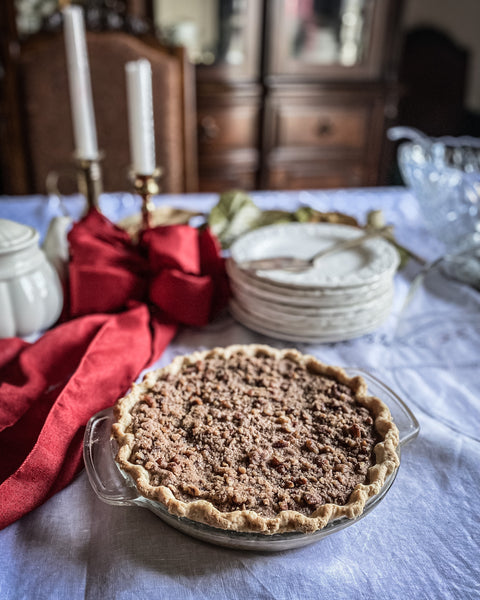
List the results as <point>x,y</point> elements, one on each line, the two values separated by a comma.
<point>89,179</point>
<point>147,186</point>
<point>87,173</point>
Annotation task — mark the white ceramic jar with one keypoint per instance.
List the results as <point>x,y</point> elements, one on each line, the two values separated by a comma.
<point>31,296</point>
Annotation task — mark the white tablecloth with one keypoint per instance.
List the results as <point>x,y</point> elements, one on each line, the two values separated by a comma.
<point>422,540</point>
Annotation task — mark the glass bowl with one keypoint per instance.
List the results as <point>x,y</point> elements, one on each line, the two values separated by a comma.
<point>115,487</point>
<point>444,175</point>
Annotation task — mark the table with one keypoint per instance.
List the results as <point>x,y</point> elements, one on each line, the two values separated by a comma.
<point>422,541</point>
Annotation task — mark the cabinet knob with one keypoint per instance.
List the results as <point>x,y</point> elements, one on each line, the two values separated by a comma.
<point>208,128</point>
<point>324,128</point>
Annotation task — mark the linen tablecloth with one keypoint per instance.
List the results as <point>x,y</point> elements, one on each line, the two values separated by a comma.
<point>422,540</point>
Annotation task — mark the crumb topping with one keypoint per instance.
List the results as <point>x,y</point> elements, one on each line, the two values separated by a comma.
<point>253,432</point>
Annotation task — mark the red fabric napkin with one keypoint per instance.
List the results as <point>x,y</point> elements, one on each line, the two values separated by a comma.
<point>125,303</point>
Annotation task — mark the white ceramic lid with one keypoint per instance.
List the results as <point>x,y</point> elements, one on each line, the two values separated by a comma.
<point>368,262</point>
<point>16,236</point>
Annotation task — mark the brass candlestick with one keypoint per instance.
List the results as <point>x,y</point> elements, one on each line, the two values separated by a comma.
<point>147,186</point>
<point>88,176</point>
<point>89,180</point>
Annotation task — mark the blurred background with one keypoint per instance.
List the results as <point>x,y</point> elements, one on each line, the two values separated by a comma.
<point>276,94</point>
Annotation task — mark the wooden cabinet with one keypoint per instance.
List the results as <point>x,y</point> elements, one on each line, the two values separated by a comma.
<point>289,94</point>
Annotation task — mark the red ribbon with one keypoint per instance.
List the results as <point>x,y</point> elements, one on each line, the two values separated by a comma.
<point>49,389</point>
<point>178,268</point>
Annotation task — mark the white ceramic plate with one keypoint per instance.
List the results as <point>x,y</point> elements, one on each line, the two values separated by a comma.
<point>370,261</point>
<point>314,325</point>
<point>283,307</point>
<point>350,316</point>
<point>308,334</point>
<point>314,297</point>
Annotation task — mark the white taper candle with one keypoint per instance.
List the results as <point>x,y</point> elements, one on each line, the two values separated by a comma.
<point>140,116</point>
<point>81,102</point>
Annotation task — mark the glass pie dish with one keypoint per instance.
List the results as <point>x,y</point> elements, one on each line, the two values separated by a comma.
<point>115,487</point>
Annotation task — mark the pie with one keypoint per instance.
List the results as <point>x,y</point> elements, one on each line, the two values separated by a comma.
<point>255,439</point>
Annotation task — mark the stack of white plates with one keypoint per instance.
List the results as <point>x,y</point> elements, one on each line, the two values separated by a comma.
<point>345,295</point>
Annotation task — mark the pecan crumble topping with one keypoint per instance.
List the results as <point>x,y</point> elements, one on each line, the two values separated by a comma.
<point>254,432</point>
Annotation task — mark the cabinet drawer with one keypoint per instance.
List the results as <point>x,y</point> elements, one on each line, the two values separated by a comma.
<point>227,127</point>
<point>328,127</point>
<point>215,182</point>
<point>311,175</point>
<point>243,177</point>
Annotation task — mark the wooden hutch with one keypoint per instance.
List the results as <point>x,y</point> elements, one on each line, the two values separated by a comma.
<point>298,94</point>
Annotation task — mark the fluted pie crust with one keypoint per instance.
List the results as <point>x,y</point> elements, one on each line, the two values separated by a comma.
<point>281,436</point>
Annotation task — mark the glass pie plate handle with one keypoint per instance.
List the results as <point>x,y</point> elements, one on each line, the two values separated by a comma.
<point>115,487</point>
